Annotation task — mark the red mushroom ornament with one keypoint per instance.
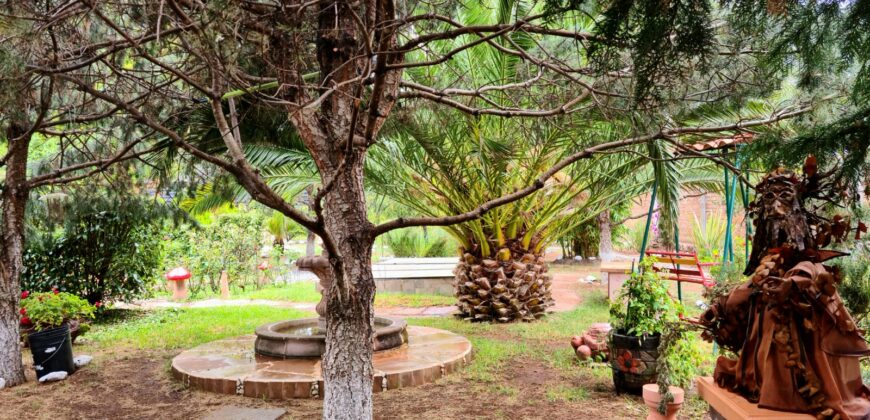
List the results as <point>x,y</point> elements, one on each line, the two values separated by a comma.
<point>178,276</point>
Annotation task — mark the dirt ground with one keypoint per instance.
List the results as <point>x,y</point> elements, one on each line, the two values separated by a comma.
<point>139,386</point>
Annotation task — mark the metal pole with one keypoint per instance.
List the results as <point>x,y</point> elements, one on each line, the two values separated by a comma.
<point>677,249</point>
<point>730,190</point>
<point>744,193</point>
<point>652,203</point>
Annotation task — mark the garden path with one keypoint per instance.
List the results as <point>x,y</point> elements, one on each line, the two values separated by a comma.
<point>567,281</point>
<point>399,311</point>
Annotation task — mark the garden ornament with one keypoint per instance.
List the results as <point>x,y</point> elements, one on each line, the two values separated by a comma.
<point>53,377</point>
<point>797,347</point>
<point>82,361</point>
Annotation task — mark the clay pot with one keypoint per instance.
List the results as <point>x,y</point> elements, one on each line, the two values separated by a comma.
<point>595,343</point>
<point>576,341</point>
<point>651,398</point>
<point>584,352</point>
<point>600,329</point>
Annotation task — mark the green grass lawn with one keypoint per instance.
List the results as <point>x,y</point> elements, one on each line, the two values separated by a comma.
<point>304,292</point>
<point>546,340</point>
<point>182,328</point>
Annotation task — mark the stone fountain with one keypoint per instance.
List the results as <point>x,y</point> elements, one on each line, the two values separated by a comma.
<point>283,359</point>
<point>307,337</point>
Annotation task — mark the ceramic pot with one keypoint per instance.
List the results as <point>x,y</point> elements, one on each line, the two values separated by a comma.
<point>651,398</point>
<point>633,360</point>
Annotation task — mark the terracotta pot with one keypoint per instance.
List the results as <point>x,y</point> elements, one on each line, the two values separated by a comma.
<point>600,329</point>
<point>584,352</point>
<point>651,398</point>
<point>595,343</point>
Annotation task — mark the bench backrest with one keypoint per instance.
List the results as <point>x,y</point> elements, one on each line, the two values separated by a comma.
<point>675,263</point>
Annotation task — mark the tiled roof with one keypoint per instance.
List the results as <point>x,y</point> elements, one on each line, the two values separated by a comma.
<point>722,143</point>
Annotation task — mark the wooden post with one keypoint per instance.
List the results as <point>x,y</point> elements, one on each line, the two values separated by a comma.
<point>225,285</point>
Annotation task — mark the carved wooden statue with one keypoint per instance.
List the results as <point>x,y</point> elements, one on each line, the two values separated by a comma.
<point>797,347</point>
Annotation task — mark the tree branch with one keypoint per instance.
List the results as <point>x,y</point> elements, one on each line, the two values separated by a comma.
<point>251,182</point>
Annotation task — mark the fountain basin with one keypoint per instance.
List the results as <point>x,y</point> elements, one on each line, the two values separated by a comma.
<point>300,338</point>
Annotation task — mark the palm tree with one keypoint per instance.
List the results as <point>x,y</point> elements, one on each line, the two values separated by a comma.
<point>439,164</point>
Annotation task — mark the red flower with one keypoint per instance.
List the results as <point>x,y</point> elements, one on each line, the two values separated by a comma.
<point>98,304</point>
<point>57,292</point>
<point>626,363</point>
<point>25,320</point>
<point>22,311</point>
<point>25,294</point>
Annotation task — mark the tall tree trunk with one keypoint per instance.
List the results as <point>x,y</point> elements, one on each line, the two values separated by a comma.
<point>337,133</point>
<point>347,362</point>
<point>605,240</point>
<point>14,201</point>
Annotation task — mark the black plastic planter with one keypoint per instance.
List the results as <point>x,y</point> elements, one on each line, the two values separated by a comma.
<point>633,360</point>
<point>52,351</point>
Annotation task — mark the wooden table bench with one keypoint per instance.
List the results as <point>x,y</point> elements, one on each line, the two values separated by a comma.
<point>615,273</point>
<point>681,267</point>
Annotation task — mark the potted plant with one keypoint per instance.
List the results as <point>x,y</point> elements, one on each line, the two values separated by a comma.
<point>47,319</point>
<point>639,315</point>
<point>679,360</point>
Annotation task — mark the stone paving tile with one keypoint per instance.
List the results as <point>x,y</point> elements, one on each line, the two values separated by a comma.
<point>229,366</point>
<point>239,413</point>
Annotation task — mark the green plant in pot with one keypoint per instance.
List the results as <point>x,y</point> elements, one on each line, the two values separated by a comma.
<point>640,315</point>
<point>46,320</point>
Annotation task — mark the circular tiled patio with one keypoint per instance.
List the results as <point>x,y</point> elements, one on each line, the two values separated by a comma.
<point>229,366</point>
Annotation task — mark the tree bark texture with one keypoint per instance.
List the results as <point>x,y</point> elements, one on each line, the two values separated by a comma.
<point>14,201</point>
<point>605,240</point>
<point>347,363</point>
<point>337,132</point>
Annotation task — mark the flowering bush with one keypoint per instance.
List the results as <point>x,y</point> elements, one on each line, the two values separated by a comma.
<point>52,309</point>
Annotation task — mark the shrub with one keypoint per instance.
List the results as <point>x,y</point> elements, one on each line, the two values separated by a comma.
<point>581,241</point>
<point>105,248</point>
<point>644,306</point>
<point>230,243</point>
<point>631,238</point>
<point>413,243</point>
<point>855,285</point>
<point>710,238</point>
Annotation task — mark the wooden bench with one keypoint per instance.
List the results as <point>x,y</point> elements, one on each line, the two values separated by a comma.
<point>725,405</point>
<point>681,267</point>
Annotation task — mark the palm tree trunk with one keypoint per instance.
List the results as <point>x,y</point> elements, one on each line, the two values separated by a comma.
<point>14,202</point>
<point>605,242</point>
<point>514,288</point>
